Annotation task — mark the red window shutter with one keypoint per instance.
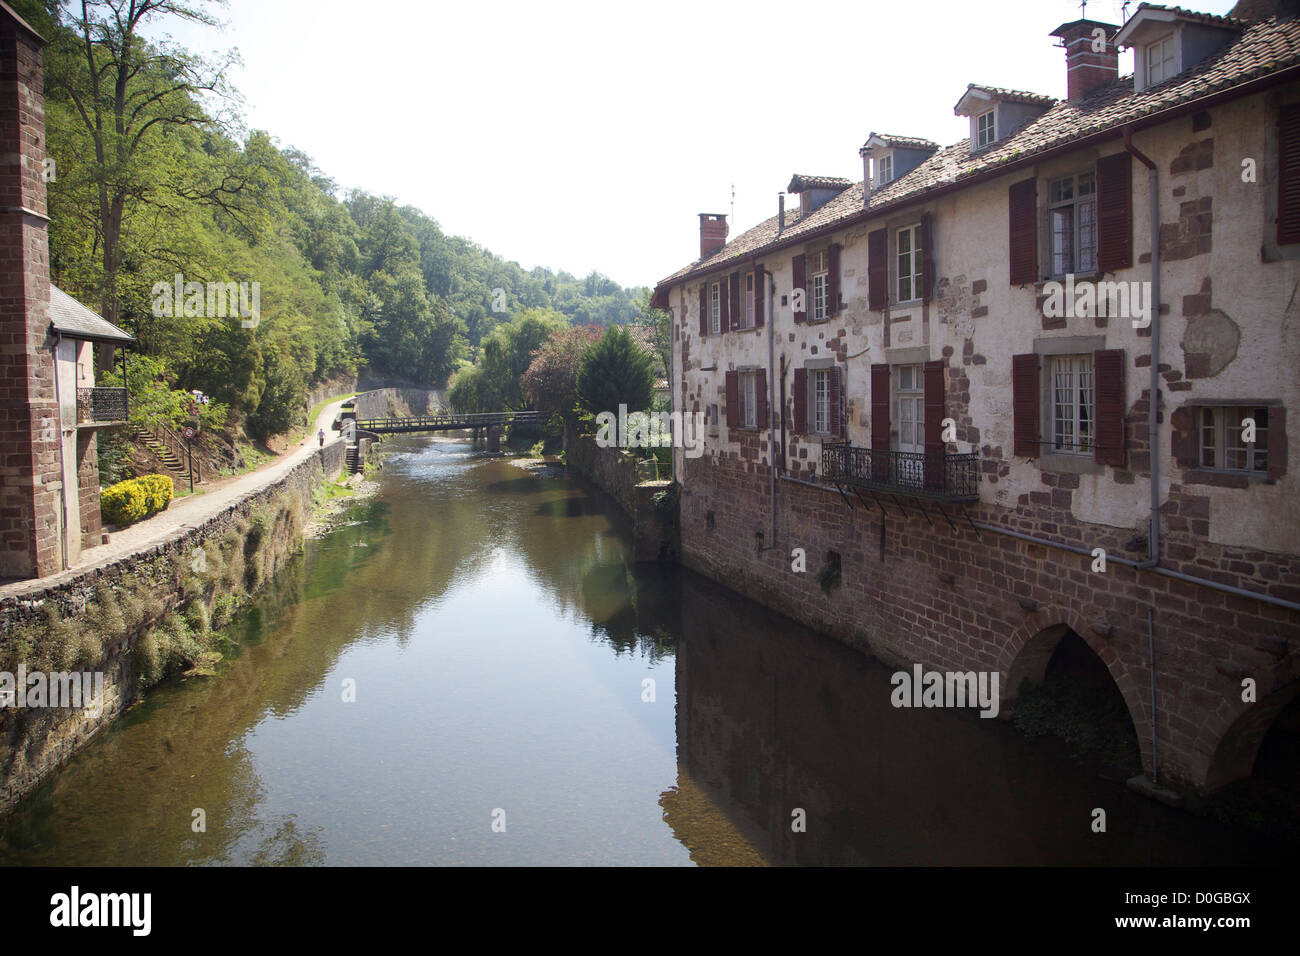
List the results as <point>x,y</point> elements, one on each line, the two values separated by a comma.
<point>934,406</point>
<point>1022,202</point>
<point>1276,441</point>
<point>880,422</point>
<point>1115,212</point>
<point>833,279</point>
<point>733,400</point>
<point>800,424</point>
<point>1024,405</point>
<point>1108,385</point>
<point>799,280</point>
<point>877,270</point>
<point>759,295</point>
<point>927,256</point>
<point>704,310</point>
<point>724,305</point>
<point>1288,175</point>
<point>834,413</point>
<point>762,411</point>
<point>736,303</point>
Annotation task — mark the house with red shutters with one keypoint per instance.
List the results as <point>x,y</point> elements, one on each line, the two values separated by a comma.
<point>938,383</point>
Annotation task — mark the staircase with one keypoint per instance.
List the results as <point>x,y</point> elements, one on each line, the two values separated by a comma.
<point>352,459</point>
<point>156,445</point>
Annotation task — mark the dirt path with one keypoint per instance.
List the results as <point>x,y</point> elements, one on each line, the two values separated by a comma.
<point>189,511</point>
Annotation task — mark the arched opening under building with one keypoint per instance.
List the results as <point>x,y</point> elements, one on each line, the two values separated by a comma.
<point>1254,778</point>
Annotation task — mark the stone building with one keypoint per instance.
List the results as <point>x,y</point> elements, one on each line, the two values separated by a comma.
<point>937,383</point>
<point>50,408</point>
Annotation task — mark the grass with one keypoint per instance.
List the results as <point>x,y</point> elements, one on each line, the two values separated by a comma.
<point>254,458</point>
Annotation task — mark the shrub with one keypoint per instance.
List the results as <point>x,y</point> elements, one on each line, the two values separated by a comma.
<point>136,498</point>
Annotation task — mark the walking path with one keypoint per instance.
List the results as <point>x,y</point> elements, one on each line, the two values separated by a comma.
<point>185,512</point>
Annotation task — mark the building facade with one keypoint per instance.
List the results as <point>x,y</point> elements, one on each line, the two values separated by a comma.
<point>937,383</point>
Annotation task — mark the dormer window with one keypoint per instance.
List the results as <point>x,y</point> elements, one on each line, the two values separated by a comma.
<point>986,129</point>
<point>1162,57</point>
<point>885,169</point>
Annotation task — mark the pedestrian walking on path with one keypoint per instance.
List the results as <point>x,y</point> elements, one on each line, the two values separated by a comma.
<point>321,435</point>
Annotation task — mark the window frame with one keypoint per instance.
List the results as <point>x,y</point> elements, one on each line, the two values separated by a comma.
<point>915,277</point>
<point>818,286</point>
<point>747,316</point>
<point>980,141</point>
<point>1171,59</point>
<point>885,169</point>
<point>1074,204</point>
<point>819,401</point>
<point>1075,449</point>
<point>747,396</point>
<point>1221,430</point>
<point>715,308</point>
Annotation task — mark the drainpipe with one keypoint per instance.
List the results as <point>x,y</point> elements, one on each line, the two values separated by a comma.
<point>63,465</point>
<point>771,400</point>
<point>1153,432</point>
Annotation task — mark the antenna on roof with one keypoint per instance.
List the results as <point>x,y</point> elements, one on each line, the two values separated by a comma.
<point>1083,10</point>
<point>733,203</point>
<point>1124,10</point>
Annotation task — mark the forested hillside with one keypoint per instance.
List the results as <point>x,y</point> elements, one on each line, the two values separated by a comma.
<point>154,177</point>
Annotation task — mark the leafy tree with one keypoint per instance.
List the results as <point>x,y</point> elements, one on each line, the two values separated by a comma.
<point>551,382</point>
<point>615,371</point>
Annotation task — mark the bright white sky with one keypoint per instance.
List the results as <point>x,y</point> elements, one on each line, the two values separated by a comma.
<point>588,135</point>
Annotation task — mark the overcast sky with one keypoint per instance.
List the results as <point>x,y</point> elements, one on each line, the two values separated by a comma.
<point>585,136</point>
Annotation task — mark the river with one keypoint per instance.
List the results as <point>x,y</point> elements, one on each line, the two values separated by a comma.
<point>473,671</point>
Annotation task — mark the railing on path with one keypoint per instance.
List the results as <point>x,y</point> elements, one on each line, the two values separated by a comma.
<point>446,421</point>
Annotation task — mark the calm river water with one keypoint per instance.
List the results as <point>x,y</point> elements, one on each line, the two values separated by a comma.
<point>500,641</point>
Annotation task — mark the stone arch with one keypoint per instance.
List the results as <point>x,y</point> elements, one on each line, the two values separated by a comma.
<point>1029,648</point>
<point>1232,756</point>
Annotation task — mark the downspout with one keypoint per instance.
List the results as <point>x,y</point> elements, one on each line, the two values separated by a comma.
<point>1153,409</point>
<point>63,465</point>
<point>771,402</point>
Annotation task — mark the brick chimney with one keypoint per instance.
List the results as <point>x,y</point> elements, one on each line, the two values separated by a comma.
<point>1090,55</point>
<point>713,233</point>
<point>30,488</point>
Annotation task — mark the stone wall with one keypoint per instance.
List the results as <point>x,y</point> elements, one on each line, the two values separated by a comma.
<point>383,402</point>
<point>36,741</point>
<point>614,471</point>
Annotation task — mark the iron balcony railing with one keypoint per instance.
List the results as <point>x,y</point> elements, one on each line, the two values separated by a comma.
<point>101,406</point>
<point>944,477</point>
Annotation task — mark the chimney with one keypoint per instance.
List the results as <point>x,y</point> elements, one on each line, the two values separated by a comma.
<point>1090,55</point>
<point>780,213</point>
<point>713,233</point>
<point>866,175</point>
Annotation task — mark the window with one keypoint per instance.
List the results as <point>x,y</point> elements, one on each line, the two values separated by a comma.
<point>1072,221</point>
<point>885,169</point>
<point>711,416</point>
<point>749,301</point>
<point>1071,404</point>
<point>748,393</point>
<point>715,308</point>
<point>1223,444</point>
<point>820,380</point>
<point>819,290</point>
<point>985,129</point>
<point>909,263</point>
<point>1160,60</point>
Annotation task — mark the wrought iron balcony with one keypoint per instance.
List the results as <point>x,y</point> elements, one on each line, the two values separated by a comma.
<point>945,477</point>
<point>101,406</point>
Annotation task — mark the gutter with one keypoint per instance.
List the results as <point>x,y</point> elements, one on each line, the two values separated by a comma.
<point>63,464</point>
<point>1257,85</point>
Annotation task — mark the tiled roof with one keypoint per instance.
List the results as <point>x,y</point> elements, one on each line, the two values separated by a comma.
<point>901,142</point>
<point>74,320</point>
<point>800,182</point>
<point>1264,48</point>
<point>1009,96</point>
<point>1211,18</point>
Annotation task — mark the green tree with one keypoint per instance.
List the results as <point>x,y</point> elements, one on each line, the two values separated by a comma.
<point>615,371</point>
<point>551,382</point>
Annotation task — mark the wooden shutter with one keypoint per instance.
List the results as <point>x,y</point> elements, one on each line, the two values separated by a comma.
<point>1022,202</point>
<point>762,409</point>
<point>1115,212</point>
<point>1288,175</point>
<point>704,309</point>
<point>733,400</point>
<point>736,303</point>
<point>1024,405</point>
<point>1183,439</point>
<point>927,257</point>
<point>1276,441</point>
<point>877,269</point>
<point>800,424</point>
<point>934,407</point>
<point>880,458</point>
<point>1108,392</point>
<point>832,279</point>
<point>799,280</point>
<point>834,416</point>
<point>758,295</point>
